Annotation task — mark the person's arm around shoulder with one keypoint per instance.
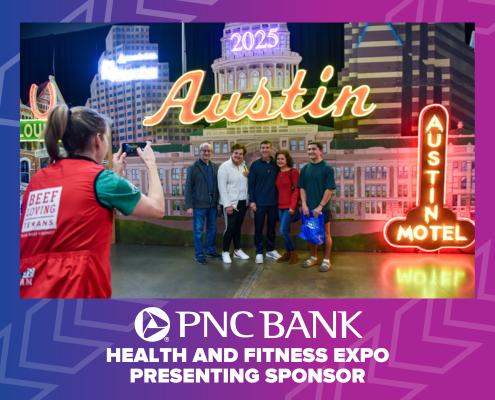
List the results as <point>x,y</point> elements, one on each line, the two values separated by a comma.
<point>154,205</point>
<point>188,194</point>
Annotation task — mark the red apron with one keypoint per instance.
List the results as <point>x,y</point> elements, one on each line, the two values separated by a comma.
<point>65,234</point>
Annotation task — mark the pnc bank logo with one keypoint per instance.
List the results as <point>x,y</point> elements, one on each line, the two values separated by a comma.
<point>152,324</point>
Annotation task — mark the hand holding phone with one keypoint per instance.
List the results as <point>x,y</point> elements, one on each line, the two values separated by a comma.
<point>131,148</point>
<point>147,155</point>
<point>119,163</point>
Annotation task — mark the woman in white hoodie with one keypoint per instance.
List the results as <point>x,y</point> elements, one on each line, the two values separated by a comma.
<point>234,197</point>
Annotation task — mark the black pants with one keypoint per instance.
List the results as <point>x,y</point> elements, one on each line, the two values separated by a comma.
<point>233,225</point>
<point>270,214</point>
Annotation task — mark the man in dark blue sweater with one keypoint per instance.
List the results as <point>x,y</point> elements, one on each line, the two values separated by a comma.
<point>263,195</point>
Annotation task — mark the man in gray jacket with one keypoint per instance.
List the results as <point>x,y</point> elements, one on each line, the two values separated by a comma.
<point>202,201</point>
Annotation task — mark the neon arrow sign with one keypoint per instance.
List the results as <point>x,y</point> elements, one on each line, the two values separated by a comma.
<point>254,111</point>
<point>430,226</point>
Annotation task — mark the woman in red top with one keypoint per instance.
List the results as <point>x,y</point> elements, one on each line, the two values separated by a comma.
<point>67,213</point>
<point>288,195</point>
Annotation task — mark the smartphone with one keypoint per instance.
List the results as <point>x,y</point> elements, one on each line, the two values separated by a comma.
<point>131,148</point>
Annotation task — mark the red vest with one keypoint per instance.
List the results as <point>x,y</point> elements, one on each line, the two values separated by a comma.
<point>65,234</point>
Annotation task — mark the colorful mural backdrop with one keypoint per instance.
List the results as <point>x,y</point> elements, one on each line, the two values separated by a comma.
<point>436,348</point>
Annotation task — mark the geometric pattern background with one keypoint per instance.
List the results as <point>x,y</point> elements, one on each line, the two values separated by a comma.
<point>55,349</point>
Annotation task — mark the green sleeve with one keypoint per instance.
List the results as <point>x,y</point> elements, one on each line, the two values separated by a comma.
<point>113,191</point>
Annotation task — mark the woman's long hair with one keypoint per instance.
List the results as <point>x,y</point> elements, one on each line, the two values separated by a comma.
<point>75,127</point>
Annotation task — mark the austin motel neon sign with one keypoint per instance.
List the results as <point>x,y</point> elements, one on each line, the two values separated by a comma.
<point>430,226</point>
<point>257,112</point>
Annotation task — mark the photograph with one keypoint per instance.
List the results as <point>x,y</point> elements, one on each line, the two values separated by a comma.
<point>265,200</point>
<point>246,160</point>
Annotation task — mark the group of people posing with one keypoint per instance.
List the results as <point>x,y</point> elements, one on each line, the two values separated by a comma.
<point>271,188</point>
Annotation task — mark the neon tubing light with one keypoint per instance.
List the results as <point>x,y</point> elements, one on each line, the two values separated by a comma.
<point>34,106</point>
<point>110,71</point>
<point>263,95</point>
<point>433,227</point>
<point>136,57</point>
<point>261,44</point>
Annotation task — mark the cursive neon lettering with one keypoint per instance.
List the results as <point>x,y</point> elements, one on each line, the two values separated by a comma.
<point>195,80</point>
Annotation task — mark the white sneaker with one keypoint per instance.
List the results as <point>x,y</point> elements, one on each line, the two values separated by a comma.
<point>226,257</point>
<point>240,254</point>
<point>273,254</point>
<point>259,259</point>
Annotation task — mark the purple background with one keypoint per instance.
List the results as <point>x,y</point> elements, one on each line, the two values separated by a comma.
<point>54,349</point>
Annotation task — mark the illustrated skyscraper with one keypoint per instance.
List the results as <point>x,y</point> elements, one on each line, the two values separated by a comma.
<point>407,66</point>
<point>130,84</point>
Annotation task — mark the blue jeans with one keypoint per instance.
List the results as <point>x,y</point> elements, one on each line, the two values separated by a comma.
<point>200,214</point>
<point>285,221</point>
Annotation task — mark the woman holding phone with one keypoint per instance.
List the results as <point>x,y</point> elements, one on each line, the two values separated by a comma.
<point>67,219</point>
<point>288,196</point>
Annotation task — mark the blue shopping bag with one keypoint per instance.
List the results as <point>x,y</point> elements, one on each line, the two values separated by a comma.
<point>313,229</point>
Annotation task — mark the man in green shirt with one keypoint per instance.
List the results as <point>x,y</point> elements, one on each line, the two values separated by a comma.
<point>317,182</point>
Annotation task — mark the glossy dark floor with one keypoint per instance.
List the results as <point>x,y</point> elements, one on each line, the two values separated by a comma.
<point>140,271</point>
